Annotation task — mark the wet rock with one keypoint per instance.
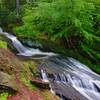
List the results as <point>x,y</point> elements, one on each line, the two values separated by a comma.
<point>39,83</point>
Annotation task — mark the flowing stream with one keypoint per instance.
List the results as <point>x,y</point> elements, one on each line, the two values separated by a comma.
<point>68,74</point>
<point>24,51</point>
<point>68,71</point>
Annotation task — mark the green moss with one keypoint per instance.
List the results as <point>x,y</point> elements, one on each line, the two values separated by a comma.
<point>27,75</point>
<point>4,96</point>
<point>3,44</point>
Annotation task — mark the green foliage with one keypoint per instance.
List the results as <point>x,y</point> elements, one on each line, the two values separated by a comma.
<point>27,28</point>
<point>59,18</point>
<point>4,96</point>
<point>63,18</point>
<point>8,10</point>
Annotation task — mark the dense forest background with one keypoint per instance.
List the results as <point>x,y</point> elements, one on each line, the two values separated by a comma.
<point>73,26</point>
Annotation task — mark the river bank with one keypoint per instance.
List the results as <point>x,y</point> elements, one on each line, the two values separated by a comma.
<point>10,66</point>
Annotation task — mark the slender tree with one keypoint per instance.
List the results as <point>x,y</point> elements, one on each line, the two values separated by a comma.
<point>17,7</point>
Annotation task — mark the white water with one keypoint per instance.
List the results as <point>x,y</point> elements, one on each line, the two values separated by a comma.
<point>79,76</point>
<point>44,76</point>
<point>24,51</point>
<point>51,89</point>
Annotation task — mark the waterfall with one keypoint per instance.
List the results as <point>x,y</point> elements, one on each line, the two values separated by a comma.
<point>44,76</point>
<point>24,51</point>
<point>69,71</point>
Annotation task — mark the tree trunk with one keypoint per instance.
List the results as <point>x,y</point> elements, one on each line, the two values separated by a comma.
<point>17,7</point>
